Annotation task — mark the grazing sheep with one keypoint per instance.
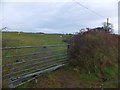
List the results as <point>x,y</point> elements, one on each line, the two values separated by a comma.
<point>19,33</point>
<point>60,36</point>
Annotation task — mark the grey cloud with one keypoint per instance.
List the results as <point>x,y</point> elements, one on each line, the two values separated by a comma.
<point>56,17</point>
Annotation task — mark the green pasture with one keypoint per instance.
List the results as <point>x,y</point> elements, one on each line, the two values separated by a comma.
<point>31,39</point>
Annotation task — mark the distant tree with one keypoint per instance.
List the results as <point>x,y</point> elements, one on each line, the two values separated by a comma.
<point>108,27</point>
<point>4,29</point>
<point>70,34</point>
<point>41,33</point>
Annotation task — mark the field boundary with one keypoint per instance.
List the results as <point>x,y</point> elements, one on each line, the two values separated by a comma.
<point>37,60</point>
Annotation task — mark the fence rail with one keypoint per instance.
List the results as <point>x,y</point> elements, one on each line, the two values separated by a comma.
<point>24,63</point>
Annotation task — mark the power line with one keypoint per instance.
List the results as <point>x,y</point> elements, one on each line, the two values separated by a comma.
<point>89,9</point>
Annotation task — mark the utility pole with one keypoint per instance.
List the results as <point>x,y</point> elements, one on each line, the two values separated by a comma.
<point>107,24</point>
<point>107,21</point>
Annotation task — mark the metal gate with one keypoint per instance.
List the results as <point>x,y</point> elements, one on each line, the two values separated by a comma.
<point>24,63</point>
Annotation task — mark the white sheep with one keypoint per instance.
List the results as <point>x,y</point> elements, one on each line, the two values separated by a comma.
<point>60,36</point>
<point>19,33</point>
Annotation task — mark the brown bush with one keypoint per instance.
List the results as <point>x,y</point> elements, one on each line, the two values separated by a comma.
<point>93,50</point>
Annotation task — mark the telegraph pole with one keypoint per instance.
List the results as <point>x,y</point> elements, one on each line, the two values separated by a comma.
<point>107,21</point>
<point>108,24</point>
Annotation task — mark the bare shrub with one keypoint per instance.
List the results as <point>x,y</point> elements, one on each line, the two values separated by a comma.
<point>93,50</point>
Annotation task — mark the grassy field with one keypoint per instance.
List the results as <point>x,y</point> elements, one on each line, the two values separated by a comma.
<point>65,77</point>
<point>30,39</point>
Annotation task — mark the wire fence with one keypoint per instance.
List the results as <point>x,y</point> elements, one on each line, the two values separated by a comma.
<point>22,64</point>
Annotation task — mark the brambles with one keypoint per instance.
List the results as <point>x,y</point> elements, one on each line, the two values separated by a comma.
<point>94,50</point>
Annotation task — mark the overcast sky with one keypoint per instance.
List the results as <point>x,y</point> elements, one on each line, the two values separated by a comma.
<point>57,16</point>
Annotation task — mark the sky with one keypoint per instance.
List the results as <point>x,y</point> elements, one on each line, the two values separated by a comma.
<point>57,16</point>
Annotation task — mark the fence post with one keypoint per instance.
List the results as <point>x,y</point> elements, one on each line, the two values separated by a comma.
<point>102,87</point>
<point>68,51</point>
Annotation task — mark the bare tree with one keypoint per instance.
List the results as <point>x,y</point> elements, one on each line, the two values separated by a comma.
<point>108,27</point>
<point>4,29</point>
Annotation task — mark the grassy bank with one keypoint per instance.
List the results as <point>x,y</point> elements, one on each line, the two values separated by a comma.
<point>71,77</point>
